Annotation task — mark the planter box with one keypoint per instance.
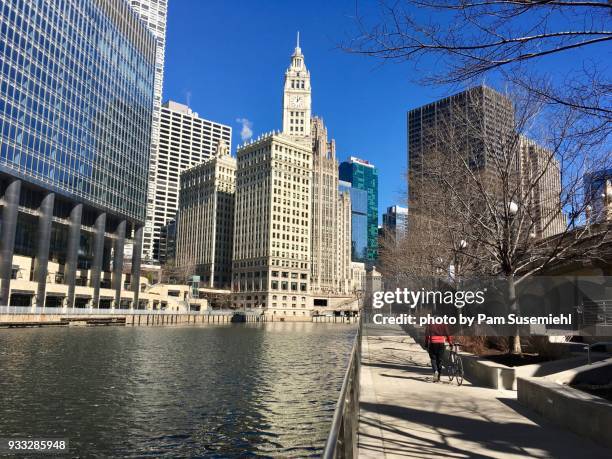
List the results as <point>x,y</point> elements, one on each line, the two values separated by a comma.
<point>483,372</point>
<point>580,412</point>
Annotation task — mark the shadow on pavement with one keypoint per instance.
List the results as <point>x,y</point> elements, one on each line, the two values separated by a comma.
<point>393,366</point>
<point>512,438</point>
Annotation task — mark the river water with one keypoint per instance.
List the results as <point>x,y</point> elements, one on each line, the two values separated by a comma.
<point>210,391</point>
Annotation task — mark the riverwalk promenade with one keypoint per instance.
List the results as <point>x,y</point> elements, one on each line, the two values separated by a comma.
<point>404,414</point>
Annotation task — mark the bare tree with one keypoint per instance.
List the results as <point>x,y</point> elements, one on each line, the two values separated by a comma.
<point>171,273</point>
<point>464,41</point>
<point>487,201</point>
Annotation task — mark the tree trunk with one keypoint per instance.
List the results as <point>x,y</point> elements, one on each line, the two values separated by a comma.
<point>514,341</point>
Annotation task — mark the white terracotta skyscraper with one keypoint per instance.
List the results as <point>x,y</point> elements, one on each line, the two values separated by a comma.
<point>153,13</point>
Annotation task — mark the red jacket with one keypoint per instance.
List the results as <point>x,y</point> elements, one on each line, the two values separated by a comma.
<point>437,334</point>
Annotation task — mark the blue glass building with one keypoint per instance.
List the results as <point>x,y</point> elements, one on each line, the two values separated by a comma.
<point>359,221</point>
<point>76,98</point>
<point>595,193</point>
<point>364,176</point>
<point>395,222</point>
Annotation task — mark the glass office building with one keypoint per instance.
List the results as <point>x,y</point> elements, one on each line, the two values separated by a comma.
<point>359,221</point>
<point>395,222</point>
<point>597,186</point>
<point>76,97</point>
<point>364,176</point>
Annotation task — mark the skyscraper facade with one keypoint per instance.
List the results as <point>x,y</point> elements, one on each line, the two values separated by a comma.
<point>478,124</point>
<point>325,269</point>
<point>292,226</point>
<point>205,219</point>
<point>185,140</point>
<point>363,175</point>
<point>272,229</point>
<point>541,176</point>
<point>598,195</point>
<point>343,284</point>
<point>478,120</point>
<point>154,14</point>
<point>75,127</point>
<point>359,221</point>
<point>395,222</point>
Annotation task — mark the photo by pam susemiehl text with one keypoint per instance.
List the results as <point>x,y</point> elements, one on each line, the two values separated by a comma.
<point>479,319</point>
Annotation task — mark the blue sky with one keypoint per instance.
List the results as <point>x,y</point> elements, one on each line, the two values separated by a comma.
<point>228,58</point>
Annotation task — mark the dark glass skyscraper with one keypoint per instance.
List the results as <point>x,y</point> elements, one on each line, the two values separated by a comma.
<point>395,222</point>
<point>359,221</point>
<point>596,193</point>
<point>76,95</point>
<point>364,176</point>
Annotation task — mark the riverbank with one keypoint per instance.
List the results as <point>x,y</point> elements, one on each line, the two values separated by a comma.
<point>133,318</point>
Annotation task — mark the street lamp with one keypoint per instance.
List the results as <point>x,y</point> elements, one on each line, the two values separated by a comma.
<point>512,208</point>
<point>453,270</point>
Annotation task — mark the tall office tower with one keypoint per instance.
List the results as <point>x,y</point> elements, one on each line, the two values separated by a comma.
<point>297,99</point>
<point>325,230</point>
<point>364,176</point>
<point>153,13</point>
<point>185,140</point>
<point>167,240</point>
<point>477,121</point>
<point>482,116</point>
<point>75,130</point>
<point>271,261</point>
<point>205,219</point>
<point>359,220</point>
<point>541,179</point>
<point>343,245</point>
<point>395,222</point>
<point>598,195</point>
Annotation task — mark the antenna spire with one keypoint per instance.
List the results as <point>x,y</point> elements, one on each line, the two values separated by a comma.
<point>298,39</point>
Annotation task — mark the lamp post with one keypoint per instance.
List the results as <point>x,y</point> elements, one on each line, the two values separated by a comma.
<point>454,275</point>
<point>516,348</point>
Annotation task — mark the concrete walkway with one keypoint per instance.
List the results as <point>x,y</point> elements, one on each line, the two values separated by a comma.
<point>404,414</point>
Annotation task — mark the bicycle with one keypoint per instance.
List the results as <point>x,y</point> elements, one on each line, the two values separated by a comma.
<point>454,365</point>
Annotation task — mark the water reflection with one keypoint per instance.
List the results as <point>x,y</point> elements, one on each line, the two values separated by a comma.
<point>215,391</point>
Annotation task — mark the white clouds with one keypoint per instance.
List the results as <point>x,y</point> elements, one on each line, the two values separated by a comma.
<point>247,128</point>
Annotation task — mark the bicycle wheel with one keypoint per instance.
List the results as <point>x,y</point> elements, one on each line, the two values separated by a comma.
<point>459,370</point>
<point>450,368</point>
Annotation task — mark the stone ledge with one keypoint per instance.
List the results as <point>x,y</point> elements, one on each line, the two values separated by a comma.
<point>582,413</point>
<point>484,372</point>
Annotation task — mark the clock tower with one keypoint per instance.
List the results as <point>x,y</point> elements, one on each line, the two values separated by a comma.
<point>296,98</point>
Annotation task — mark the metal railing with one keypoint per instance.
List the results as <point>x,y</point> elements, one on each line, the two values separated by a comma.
<point>89,311</point>
<point>117,311</point>
<point>342,439</point>
<point>596,312</point>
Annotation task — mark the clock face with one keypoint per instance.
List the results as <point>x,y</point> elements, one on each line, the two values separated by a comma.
<point>296,101</point>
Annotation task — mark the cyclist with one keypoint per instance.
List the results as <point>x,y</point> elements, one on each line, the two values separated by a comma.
<point>435,335</point>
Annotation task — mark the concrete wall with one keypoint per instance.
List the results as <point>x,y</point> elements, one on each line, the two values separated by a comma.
<point>24,320</point>
<point>483,372</point>
<point>582,413</point>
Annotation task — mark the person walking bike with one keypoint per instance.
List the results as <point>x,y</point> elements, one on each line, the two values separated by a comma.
<point>435,337</point>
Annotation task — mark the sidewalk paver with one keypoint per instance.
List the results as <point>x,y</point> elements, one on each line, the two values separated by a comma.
<point>404,414</point>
